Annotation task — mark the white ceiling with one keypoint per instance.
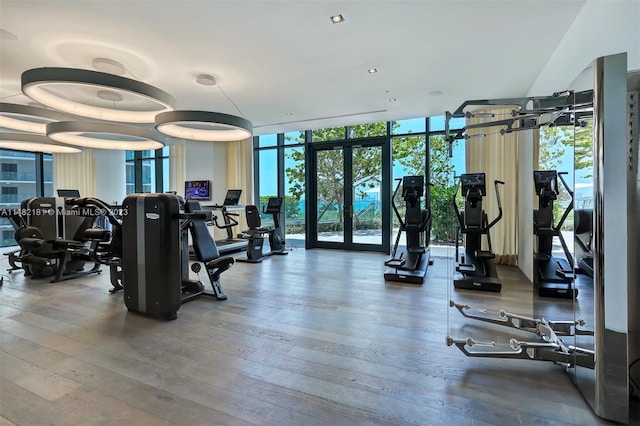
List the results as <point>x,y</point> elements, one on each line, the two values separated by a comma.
<point>285,65</point>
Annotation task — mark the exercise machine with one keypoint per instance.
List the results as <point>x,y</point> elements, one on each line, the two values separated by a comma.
<point>475,268</point>
<point>155,254</point>
<point>583,222</point>
<point>105,244</point>
<point>554,275</point>
<point>410,264</point>
<point>55,239</point>
<point>229,244</point>
<point>206,253</point>
<point>255,235</point>
<point>551,346</point>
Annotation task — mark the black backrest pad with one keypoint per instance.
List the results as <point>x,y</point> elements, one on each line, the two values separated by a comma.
<point>203,244</point>
<point>191,206</point>
<point>253,217</point>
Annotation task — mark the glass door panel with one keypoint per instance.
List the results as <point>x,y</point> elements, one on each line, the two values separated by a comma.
<point>330,193</point>
<point>366,191</point>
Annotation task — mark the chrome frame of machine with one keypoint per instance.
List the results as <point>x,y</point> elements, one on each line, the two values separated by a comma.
<point>599,357</point>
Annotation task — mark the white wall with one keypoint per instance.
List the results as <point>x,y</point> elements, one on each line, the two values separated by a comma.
<point>110,175</point>
<point>601,28</point>
<point>208,161</point>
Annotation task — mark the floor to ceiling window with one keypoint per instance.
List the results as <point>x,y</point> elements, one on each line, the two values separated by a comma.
<point>147,171</point>
<point>280,172</point>
<point>418,145</point>
<point>22,175</point>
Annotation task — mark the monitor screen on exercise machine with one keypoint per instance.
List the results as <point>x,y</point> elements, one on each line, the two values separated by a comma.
<point>413,184</point>
<point>68,193</point>
<point>473,183</point>
<point>233,197</point>
<point>273,205</point>
<point>546,180</point>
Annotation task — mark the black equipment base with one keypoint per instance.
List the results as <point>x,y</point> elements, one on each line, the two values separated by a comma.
<point>558,290</point>
<point>471,282</point>
<point>555,279</point>
<point>414,276</point>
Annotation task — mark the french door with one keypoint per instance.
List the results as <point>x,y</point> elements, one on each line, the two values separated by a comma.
<point>349,195</point>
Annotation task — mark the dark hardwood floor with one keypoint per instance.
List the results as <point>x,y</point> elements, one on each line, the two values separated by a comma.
<point>313,338</point>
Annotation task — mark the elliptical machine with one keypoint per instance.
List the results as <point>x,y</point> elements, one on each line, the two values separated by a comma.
<point>475,269</point>
<point>410,265</point>
<point>255,234</point>
<point>554,276</point>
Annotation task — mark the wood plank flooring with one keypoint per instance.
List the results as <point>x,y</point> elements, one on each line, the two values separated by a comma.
<point>313,338</point>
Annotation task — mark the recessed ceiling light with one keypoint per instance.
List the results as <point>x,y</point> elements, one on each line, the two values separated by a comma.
<point>392,99</point>
<point>289,114</point>
<point>372,70</point>
<point>336,19</point>
<point>108,65</point>
<point>434,93</point>
<point>206,80</point>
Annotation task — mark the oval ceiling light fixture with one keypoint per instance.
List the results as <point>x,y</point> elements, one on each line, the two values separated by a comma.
<point>28,118</point>
<point>204,126</point>
<point>77,91</point>
<point>37,143</point>
<point>103,135</point>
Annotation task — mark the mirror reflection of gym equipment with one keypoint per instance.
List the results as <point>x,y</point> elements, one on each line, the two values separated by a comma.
<point>553,275</point>
<point>475,269</point>
<point>409,264</point>
<point>255,235</point>
<point>595,340</point>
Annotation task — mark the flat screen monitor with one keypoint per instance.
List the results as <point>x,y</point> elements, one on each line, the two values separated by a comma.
<point>233,197</point>
<point>546,180</point>
<point>473,183</point>
<point>273,205</point>
<point>414,185</point>
<point>68,193</point>
<point>197,190</point>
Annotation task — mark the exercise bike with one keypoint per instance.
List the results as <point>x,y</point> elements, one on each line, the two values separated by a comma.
<point>554,276</point>
<point>255,235</point>
<point>475,268</point>
<point>410,265</point>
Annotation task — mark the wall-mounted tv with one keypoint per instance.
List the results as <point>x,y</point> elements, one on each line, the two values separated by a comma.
<point>197,190</point>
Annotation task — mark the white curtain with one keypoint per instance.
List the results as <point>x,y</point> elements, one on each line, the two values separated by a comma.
<point>177,168</point>
<point>240,172</point>
<point>75,171</point>
<point>497,156</point>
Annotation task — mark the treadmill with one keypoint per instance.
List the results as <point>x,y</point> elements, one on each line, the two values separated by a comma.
<point>229,244</point>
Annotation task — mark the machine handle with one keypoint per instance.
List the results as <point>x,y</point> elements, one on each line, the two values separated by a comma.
<point>497,219</point>
<point>570,206</point>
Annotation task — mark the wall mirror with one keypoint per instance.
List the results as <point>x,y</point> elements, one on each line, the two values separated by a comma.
<point>577,312</point>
